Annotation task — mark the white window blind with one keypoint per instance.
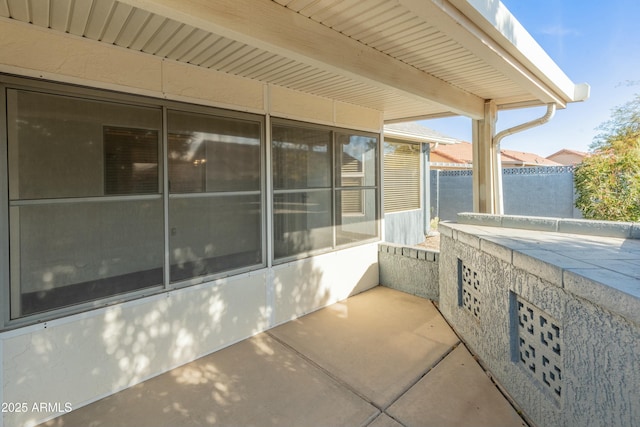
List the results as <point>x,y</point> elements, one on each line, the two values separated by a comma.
<point>401,176</point>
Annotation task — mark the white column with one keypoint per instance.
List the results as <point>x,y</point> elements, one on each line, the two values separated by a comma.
<point>425,149</point>
<point>486,164</point>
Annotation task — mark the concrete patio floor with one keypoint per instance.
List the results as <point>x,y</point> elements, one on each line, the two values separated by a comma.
<point>382,358</point>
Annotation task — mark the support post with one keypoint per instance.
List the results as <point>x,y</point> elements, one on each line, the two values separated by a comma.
<point>426,186</point>
<point>486,163</point>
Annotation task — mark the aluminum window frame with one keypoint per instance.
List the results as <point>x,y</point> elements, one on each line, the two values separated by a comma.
<point>334,188</point>
<point>227,114</point>
<point>5,277</point>
<point>10,82</point>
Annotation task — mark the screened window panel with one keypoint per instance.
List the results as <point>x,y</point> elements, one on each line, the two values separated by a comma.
<point>71,253</point>
<point>356,215</point>
<point>313,158</point>
<point>213,154</point>
<point>131,161</point>
<point>213,234</point>
<point>355,160</point>
<point>302,222</point>
<point>86,210</point>
<point>301,158</point>
<point>401,176</point>
<point>63,147</point>
<point>68,243</point>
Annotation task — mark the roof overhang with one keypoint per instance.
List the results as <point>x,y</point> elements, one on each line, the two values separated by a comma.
<point>413,132</point>
<point>407,58</point>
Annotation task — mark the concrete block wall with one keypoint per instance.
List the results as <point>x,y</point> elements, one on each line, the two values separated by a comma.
<point>409,269</point>
<point>534,191</point>
<point>404,228</point>
<point>493,295</point>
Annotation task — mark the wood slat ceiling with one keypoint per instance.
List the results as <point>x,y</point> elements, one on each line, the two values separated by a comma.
<point>379,24</point>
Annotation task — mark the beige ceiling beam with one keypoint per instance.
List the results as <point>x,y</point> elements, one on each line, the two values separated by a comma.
<point>496,20</point>
<point>267,25</point>
<point>443,15</point>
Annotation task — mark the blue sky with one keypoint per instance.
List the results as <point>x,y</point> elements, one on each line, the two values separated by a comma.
<point>597,42</point>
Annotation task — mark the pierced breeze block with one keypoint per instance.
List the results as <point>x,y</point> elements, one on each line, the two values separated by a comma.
<point>540,346</point>
<point>469,290</point>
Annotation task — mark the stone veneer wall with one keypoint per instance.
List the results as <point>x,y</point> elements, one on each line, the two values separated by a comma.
<point>409,269</point>
<point>564,360</point>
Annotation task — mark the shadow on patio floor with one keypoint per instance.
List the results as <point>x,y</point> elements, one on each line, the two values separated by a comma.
<point>381,358</point>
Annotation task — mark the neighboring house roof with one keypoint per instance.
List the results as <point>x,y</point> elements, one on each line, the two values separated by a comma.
<point>568,157</point>
<point>521,158</point>
<point>462,153</point>
<point>403,59</point>
<point>411,131</point>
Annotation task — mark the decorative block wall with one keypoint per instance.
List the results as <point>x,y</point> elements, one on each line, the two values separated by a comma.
<point>563,359</point>
<point>409,269</point>
<point>539,346</point>
<point>469,290</point>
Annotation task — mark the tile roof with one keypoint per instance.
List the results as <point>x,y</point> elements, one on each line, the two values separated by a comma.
<point>463,153</point>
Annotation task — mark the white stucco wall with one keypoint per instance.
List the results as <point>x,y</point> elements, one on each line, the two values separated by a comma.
<point>81,358</point>
<point>84,357</point>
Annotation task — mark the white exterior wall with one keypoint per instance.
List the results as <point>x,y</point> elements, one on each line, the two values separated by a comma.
<point>84,357</point>
<point>81,358</point>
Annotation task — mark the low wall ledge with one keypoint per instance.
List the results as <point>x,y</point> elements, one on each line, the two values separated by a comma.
<point>414,252</point>
<point>602,269</point>
<point>627,230</point>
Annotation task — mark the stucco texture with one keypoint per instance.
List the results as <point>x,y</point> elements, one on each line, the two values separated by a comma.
<point>600,350</point>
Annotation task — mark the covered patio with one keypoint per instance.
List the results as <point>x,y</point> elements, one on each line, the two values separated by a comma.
<point>382,358</point>
<point>179,176</point>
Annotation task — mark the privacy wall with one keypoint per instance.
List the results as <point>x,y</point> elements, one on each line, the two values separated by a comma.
<point>539,191</point>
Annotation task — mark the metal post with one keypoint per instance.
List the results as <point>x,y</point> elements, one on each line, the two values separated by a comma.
<point>426,190</point>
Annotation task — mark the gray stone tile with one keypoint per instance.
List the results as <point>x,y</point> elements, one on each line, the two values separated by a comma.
<point>589,254</point>
<point>469,239</point>
<point>479,219</point>
<point>496,250</point>
<point>529,260</point>
<point>617,292</point>
<point>512,243</point>
<point>613,280</point>
<point>555,259</point>
<point>530,223</point>
<point>595,228</point>
<point>627,267</point>
<point>379,342</point>
<point>457,392</point>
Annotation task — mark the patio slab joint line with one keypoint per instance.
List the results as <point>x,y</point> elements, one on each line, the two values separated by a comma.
<point>328,373</point>
<point>417,380</point>
<point>489,374</point>
<point>349,387</point>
